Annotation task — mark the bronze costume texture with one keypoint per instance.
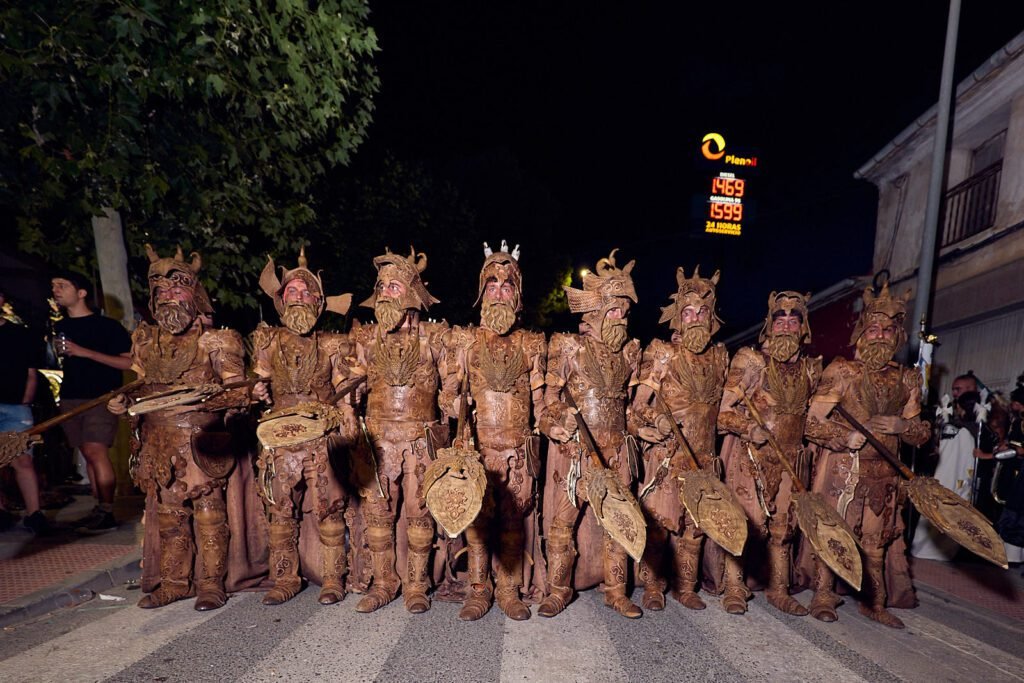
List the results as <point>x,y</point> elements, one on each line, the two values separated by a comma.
<point>506,367</point>
<point>779,380</point>
<point>852,475</point>
<point>598,367</point>
<point>184,455</point>
<point>305,366</point>
<point>399,355</point>
<point>689,373</point>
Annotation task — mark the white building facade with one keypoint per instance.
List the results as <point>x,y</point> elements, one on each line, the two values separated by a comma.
<point>978,304</point>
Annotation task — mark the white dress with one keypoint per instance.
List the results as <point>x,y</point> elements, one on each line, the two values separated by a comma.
<point>956,463</point>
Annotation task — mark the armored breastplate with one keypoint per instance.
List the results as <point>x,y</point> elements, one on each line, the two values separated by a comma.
<point>500,384</point>
<point>698,424</point>
<point>298,368</point>
<point>402,380</point>
<point>169,359</point>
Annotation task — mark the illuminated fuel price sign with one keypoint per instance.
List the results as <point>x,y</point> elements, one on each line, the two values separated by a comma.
<point>723,205</point>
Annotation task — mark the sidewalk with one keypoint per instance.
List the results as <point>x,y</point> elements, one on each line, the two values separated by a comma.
<point>974,581</point>
<point>38,575</point>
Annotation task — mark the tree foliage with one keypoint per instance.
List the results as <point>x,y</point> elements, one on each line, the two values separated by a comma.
<point>205,123</point>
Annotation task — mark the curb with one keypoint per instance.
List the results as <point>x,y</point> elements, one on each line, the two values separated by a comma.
<point>73,591</point>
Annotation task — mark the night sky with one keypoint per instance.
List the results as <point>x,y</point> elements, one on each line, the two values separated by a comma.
<point>575,127</point>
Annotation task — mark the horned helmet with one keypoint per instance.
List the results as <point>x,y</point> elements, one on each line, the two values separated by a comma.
<point>407,270</point>
<point>300,319</point>
<point>605,288</point>
<point>175,272</point>
<point>501,266</point>
<point>698,292</point>
<point>782,347</point>
<point>889,311</point>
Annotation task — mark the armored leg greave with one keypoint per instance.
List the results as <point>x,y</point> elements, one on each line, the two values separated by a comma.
<point>335,561</point>
<point>212,529</point>
<point>684,587</point>
<point>561,555</point>
<point>284,561</point>
<point>735,596</point>
<point>778,580</point>
<point>873,593</point>
<point>510,575</point>
<point>615,565</point>
<point>478,600</point>
<point>825,600</point>
<point>380,537</point>
<point>652,568</point>
<point>414,588</point>
<point>176,556</point>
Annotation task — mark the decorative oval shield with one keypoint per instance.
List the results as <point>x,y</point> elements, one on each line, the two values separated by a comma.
<point>13,444</point>
<point>296,425</point>
<point>617,511</point>
<point>454,487</point>
<point>714,508</point>
<point>956,518</point>
<point>830,536</point>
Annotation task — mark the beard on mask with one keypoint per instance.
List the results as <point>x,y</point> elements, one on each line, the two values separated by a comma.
<point>389,314</point>
<point>614,333</point>
<point>782,347</point>
<point>175,316</point>
<point>498,316</point>
<point>876,352</point>
<point>299,318</point>
<point>695,338</point>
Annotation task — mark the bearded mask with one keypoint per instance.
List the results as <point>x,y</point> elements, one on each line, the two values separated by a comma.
<point>887,311</point>
<point>604,289</point>
<point>390,312</point>
<point>176,315</point>
<point>783,346</point>
<point>300,317</point>
<point>501,267</point>
<point>695,292</point>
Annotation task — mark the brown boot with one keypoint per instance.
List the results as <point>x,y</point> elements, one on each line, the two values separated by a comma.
<point>212,528</point>
<point>478,598</point>
<point>561,553</point>
<point>651,575</point>
<point>873,593</point>
<point>777,592</point>
<point>684,588</point>
<point>825,600</point>
<point>510,576</point>
<point>284,561</point>
<point>615,565</point>
<point>735,595</point>
<point>176,556</point>
<point>414,588</point>
<point>380,537</point>
<point>335,561</point>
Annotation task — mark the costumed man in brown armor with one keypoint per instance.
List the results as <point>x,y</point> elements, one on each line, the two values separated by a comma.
<point>306,367</point>
<point>689,374</point>
<point>400,355</point>
<point>185,457</point>
<point>851,474</point>
<point>506,368</point>
<point>598,367</point>
<point>778,379</point>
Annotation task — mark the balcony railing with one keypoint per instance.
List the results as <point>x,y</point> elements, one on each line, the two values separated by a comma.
<point>970,207</point>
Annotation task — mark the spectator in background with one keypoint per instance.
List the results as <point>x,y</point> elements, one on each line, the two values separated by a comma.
<point>963,384</point>
<point>96,354</point>
<point>21,355</point>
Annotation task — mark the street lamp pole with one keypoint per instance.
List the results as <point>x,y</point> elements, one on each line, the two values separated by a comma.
<point>926,269</point>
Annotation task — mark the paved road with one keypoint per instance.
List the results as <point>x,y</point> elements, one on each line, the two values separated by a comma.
<point>246,641</point>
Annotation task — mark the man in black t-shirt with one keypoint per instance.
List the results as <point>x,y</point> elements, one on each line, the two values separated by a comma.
<point>96,353</point>
<point>20,354</point>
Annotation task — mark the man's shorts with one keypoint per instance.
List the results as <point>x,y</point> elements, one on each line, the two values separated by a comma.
<point>15,417</point>
<point>96,425</point>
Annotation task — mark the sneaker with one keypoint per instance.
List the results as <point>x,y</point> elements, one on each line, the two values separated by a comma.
<point>91,518</point>
<point>38,524</point>
<point>104,521</point>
